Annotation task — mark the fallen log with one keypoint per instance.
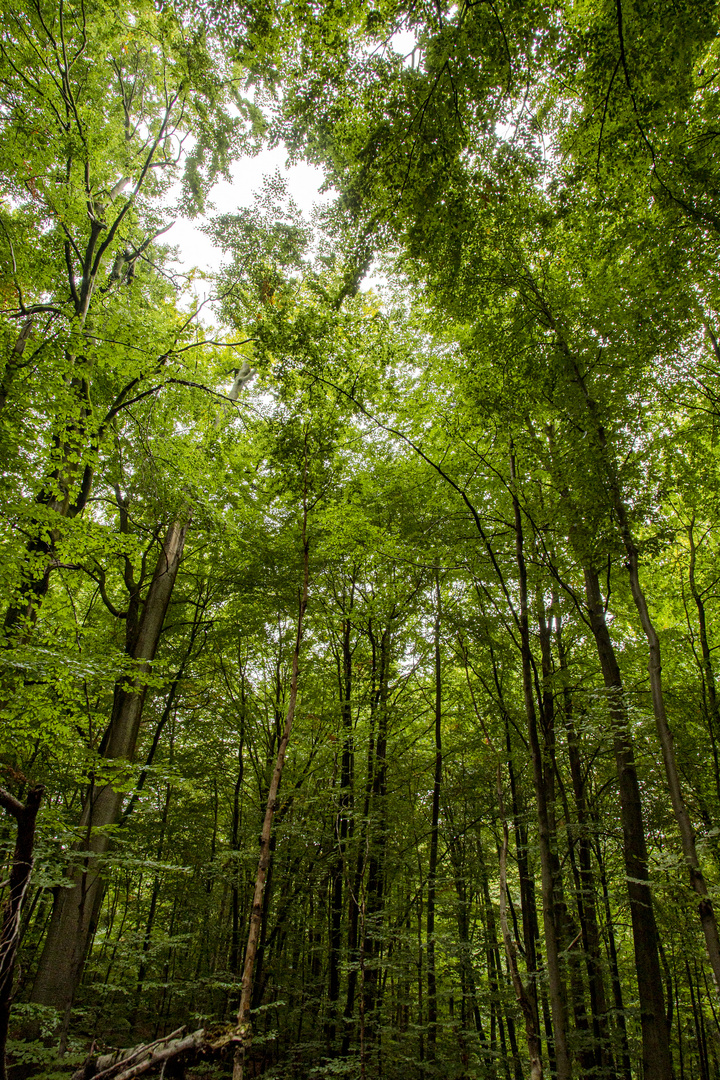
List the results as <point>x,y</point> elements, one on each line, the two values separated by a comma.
<point>127,1064</point>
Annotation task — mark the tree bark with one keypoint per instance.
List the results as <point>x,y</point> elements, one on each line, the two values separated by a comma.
<point>527,1006</point>
<point>528,894</point>
<point>706,667</point>
<point>256,911</point>
<point>373,913</point>
<point>587,909</point>
<point>22,863</point>
<point>656,1050</point>
<point>552,951</point>
<point>432,1009</point>
<point>625,1071</point>
<point>343,822</point>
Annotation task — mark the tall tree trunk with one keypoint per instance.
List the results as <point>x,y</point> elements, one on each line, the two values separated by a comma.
<point>432,1009</point>
<point>147,936</point>
<point>371,945</point>
<point>706,910</point>
<point>699,1024</point>
<point>529,1012</point>
<point>552,949</point>
<point>587,910</point>
<point>469,989</point>
<point>22,863</point>
<point>707,671</point>
<point>527,887</point>
<point>656,1050</point>
<point>665,737</point>
<point>498,1003</point>
<point>624,1053</point>
<point>564,922</point>
<point>234,959</point>
<point>342,828</point>
<point>256,911</point>
<point>354,893</point>
<point>77,905</point>
<point>259,973</point>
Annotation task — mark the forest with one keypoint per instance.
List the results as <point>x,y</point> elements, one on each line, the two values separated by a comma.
<point>360,670</point>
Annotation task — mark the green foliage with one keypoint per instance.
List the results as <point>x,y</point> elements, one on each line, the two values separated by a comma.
<point>538,185</point>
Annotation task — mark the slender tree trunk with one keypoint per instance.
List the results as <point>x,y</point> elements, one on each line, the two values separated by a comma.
<point>527,886</point>
<point>354,897</point>
<point>371,945</point>
<point>342,828</point>
<point>259,973</point>
<point>698,1021</point>
<point>469,989</point>
<point>147,936</point>
<point>687,833</point>
<point>552,950</point>
<point>76,906</point>
<point>656,1050</point>
<point>495,974</point>
<point>587,910</point>
<point>707,671</point>
<point>626,1070</point>
<point>567,930</point>
<point>246,986</point>
<point>22,863</point>
<point>235,846</point>
<point>532,1034</point>
<point>432,1009</point>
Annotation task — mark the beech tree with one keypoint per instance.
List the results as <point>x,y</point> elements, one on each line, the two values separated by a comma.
<point>363,645</point>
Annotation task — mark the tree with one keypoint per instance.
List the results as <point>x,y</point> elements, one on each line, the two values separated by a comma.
<point>505,460</point>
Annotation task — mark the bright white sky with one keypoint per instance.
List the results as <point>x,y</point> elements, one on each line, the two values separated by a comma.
<point>304,183</point>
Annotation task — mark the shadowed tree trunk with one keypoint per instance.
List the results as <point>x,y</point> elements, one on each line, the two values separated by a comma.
<point>373,913</point>
<point>656,1049</point>
<point>22,863</point>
